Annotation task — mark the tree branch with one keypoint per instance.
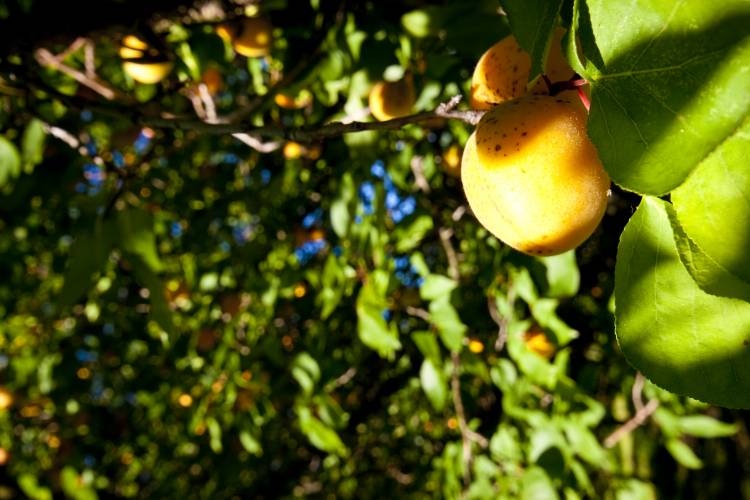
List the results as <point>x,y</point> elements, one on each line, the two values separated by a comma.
<point>450,252</point>
<point>312,134</point>
<point>467,435</point>
<point>642,413</point>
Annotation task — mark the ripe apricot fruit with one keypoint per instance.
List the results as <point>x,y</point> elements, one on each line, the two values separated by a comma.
<point>293,150</point>
<point>390,100</point>
<point>502,72</point>
<point>141,62</point>
<point>537,342</point>
<point>532,176</point>
<point>253,38</point>
<point>303,99</point>
<point>452,160</point>
<point>213,80</point>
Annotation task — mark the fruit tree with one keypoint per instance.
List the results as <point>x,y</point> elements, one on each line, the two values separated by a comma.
<point>374,249</point>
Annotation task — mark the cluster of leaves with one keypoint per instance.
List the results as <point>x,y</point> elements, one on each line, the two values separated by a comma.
<point>183,315</point>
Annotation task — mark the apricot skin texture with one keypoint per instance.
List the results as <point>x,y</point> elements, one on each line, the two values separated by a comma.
<point>502,72</point>
<point>532,176</point>
<point>390,100</point>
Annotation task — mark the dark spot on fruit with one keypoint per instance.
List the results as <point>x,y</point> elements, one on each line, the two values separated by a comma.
<point>498,147</point>
<point>523,134</point>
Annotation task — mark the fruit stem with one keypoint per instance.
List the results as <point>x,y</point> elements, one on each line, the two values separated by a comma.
<point>584,99</point>
<point>575,83</point>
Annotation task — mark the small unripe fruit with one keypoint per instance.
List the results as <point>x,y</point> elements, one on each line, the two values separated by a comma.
<point>390,100</point>
<point>532,176</point>
<point>503,72</point>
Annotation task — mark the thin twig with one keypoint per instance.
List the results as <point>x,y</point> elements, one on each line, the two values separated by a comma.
<point>467,435</point>
<point>642,412</point>
<point>205,109</point>
<point>458,213</point>
<point>417,168</point>
<point>418,313</point>
<point>46,58</point>
<point>62,134</point>
<point>257,144</point>
<point>636,421</point>
<point>450,252</point>
<point>502,323</point>
<point>637,392</point>
<point>345,377</point>
<point>308,134</point>
<point>89,59</point>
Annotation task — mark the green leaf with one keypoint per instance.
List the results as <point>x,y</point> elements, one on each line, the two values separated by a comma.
<point>563,277</point>
<point>410,236</point>
<point>682,338</point>
<point>449,325</point>
<point>531,22</point>
<point>340,216</point>
<point>320,435</point>
<point>32,144</point>
<point>713,205</point>
<point>705,426</point>
<point>683,454</point>
<point>72,486</point>
<point>633,489</point>
<point>214,432</point>
<point>427,344</point>
<point>437,287</point>
<point>137,236</point>
<point>434,384</point>
<point>372,328</point>
<point>667,90</point>
<point>159,308</point>
<point>536,485</point>
<point>420,23</point>
<point>31,488</point>
<point>505,444</point>
<point>306,372</point>
<point>251,445</point>
<point>10,161</point>
<point>584,444</point>
<point>88,255</point>
<point>709,275</point>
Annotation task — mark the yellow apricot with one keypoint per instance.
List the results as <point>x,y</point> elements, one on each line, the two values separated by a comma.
<point>6,398</point>
<point>532,176</point>
<point>133,42</point>
<point>130,53</point>
<point>213,80</point>
<point>452,160</point>
<point>226,31</point>
<point>390,100</point>
<point>151,72</point>
<point>293,150</point>
<point>288,102</point>
<point>538,343</point>
<point>254,37</point>
<point>502,72</point>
